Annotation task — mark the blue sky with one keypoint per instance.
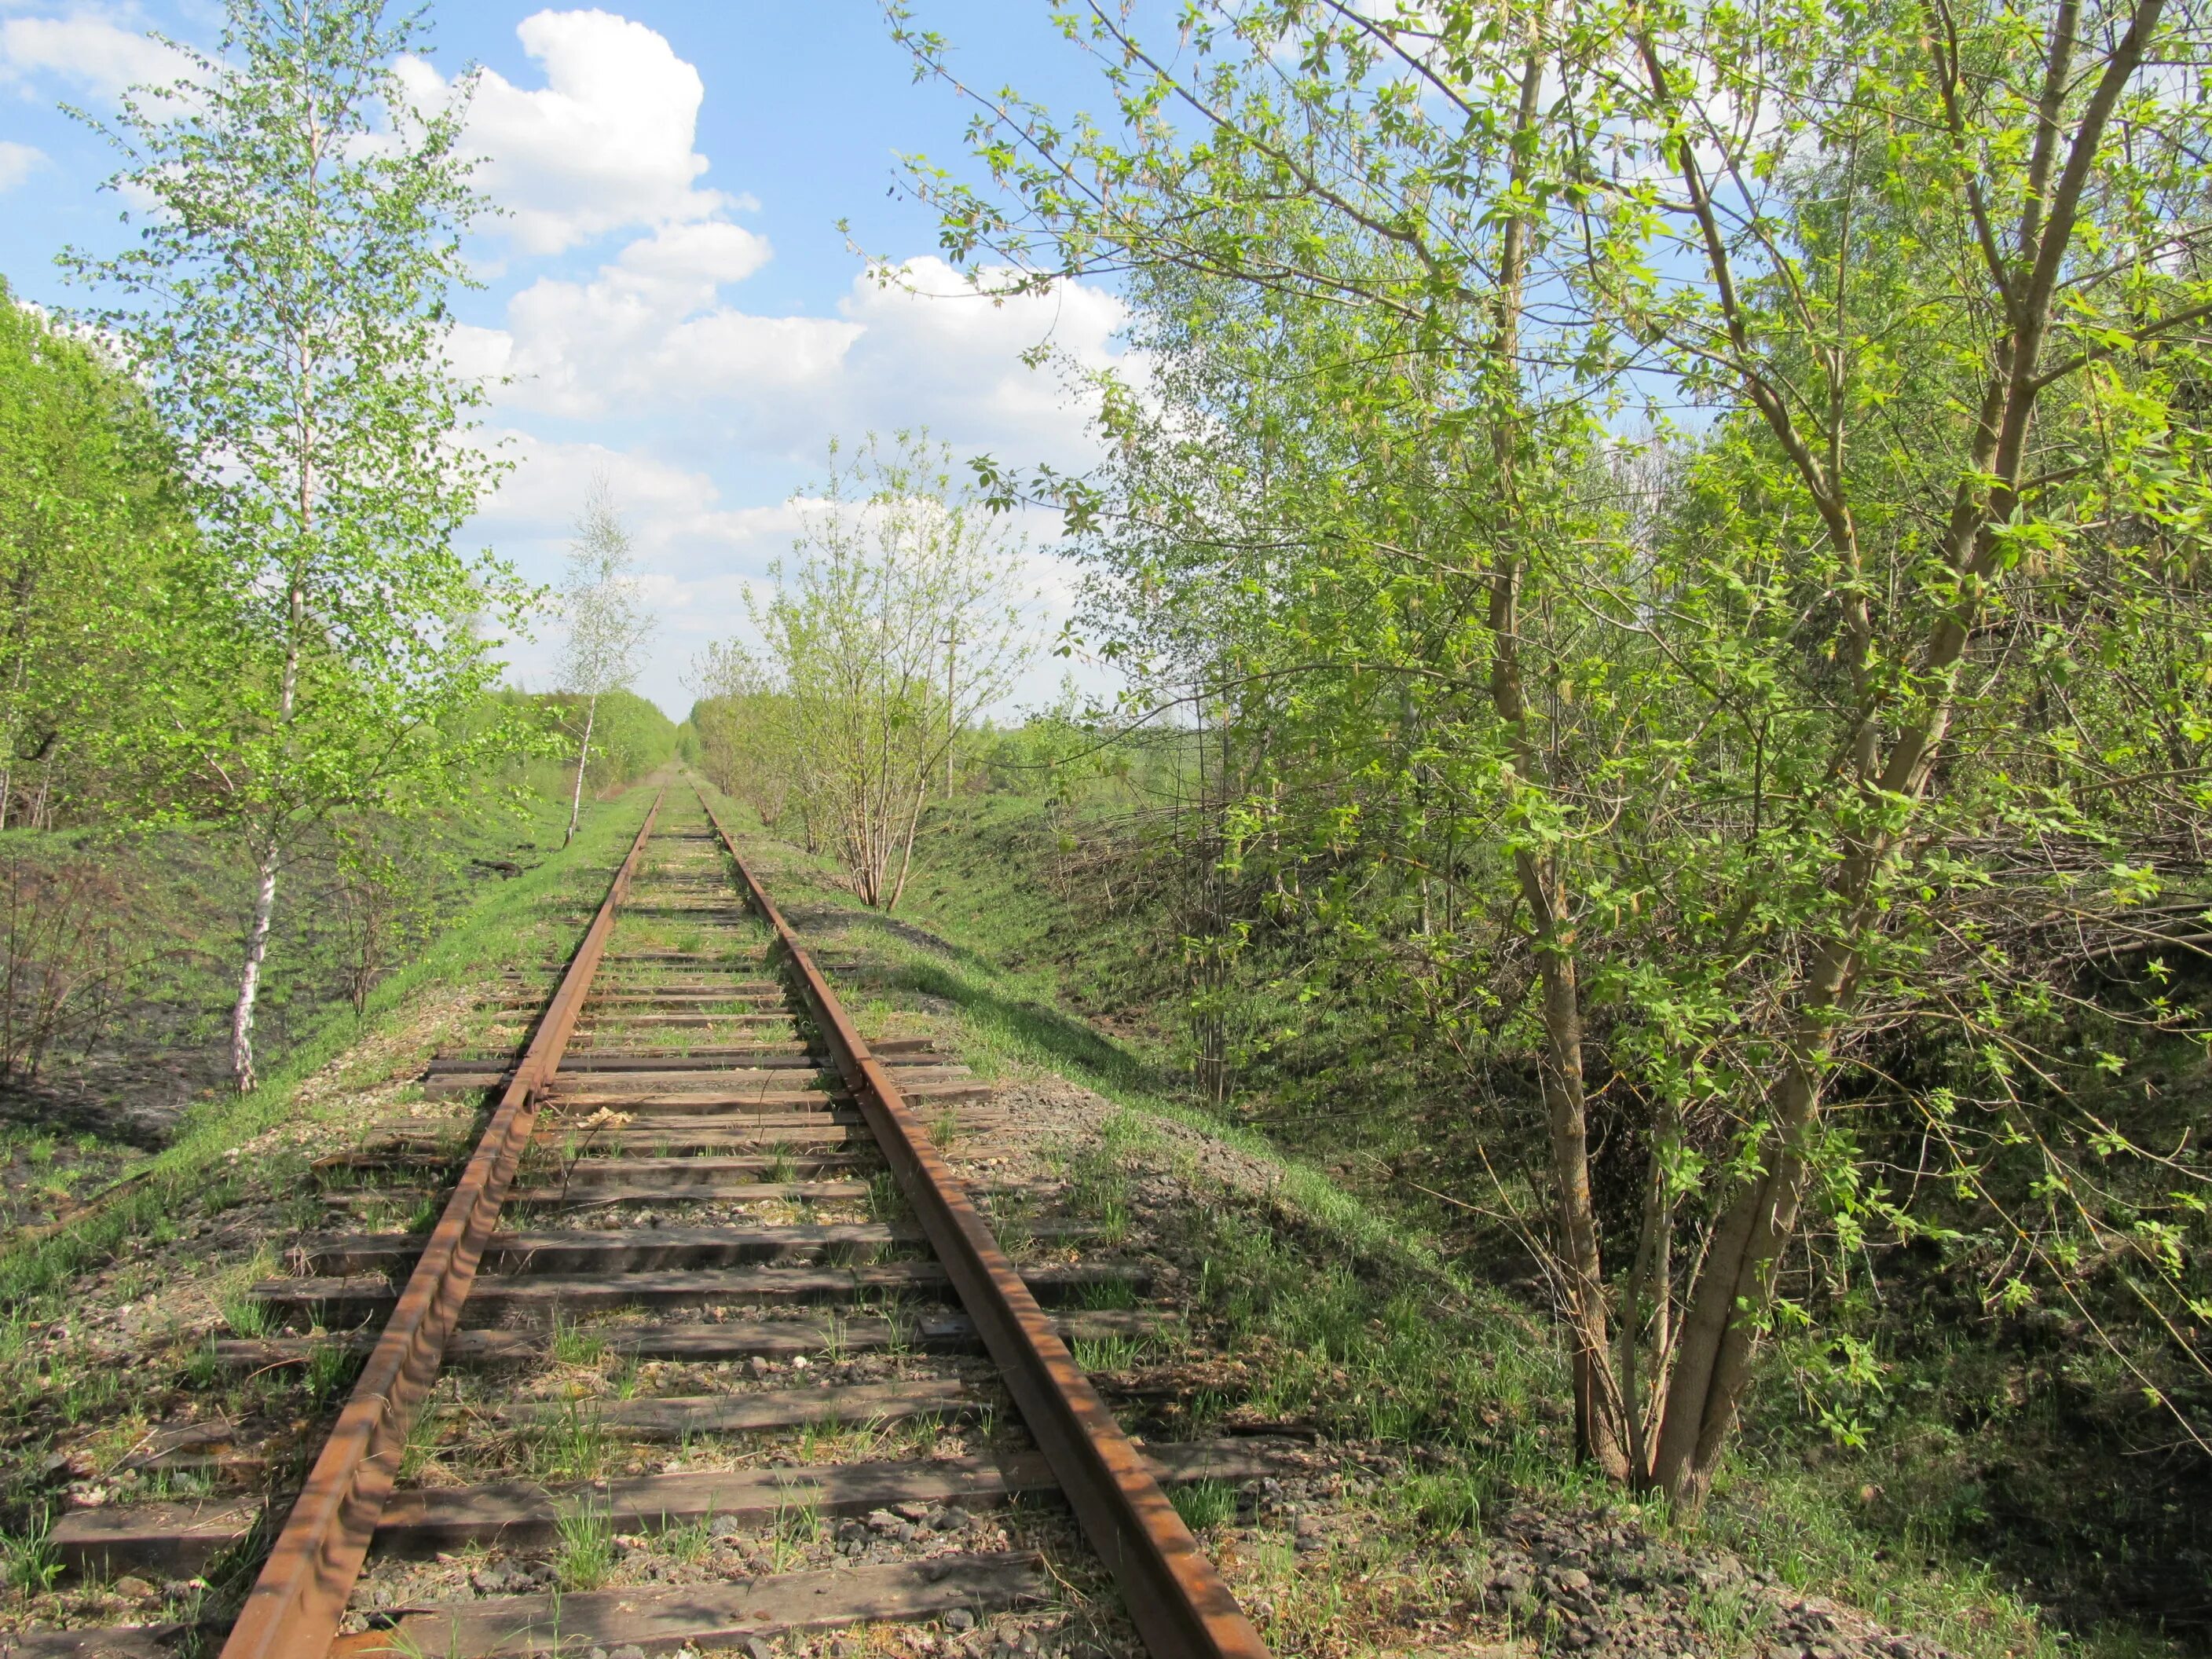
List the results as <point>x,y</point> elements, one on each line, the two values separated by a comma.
<point>669,290</point>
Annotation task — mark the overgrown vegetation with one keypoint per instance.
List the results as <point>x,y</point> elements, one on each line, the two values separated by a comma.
<point>1752,855</point>
<point>1355,1297</point>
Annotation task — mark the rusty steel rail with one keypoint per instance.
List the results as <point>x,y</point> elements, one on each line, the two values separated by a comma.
<point>1175,1596</point>
<point>297,1602</point>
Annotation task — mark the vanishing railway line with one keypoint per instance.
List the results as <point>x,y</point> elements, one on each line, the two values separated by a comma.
<point>692,1091</point>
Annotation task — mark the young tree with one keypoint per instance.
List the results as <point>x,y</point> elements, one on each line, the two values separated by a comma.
<point>285,307</point>
<point>609,626</point>
<point>895,560</point>
<point>743,725</point>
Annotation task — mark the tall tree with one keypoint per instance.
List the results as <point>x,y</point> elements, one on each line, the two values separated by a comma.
<point>285,306</point>
<point>609,626</point>
<point>97,580</point>
<point>1717,791</point>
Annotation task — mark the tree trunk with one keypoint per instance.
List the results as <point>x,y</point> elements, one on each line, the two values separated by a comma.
<point>906,850</point>
<point>265,897</point>
<point>249,983</point>
<point>583,754</point>
<point>1598,1437</point>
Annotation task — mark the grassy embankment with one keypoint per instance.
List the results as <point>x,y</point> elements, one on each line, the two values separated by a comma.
<point>1383,1314</point>
<point>147,929</point>
<point>188,1176</point>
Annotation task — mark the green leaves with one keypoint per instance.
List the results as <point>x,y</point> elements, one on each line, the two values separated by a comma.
<point>285,308</point>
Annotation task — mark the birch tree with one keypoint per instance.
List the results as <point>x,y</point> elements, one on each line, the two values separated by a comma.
<point>285,306</point>
<point>608,624</point>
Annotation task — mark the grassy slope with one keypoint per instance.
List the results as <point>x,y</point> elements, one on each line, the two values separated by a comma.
<point>35,1274</point>
<point>1433,1355</point>
<point>183,898</point>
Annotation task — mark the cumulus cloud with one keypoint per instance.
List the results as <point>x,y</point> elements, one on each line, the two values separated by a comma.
<point>957,358</point>
<point>698,557</point>
<point>86,50</point>
<point>606,143</point>
<point>675,513</point>
<point>17,162</point>
<point>649,329</point>
<point>652,331</point>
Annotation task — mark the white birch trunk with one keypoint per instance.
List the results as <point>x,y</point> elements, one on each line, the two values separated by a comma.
<point>583,754</point>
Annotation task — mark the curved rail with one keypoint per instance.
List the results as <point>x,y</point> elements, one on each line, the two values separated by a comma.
<point>297,1603</point>
<point>1177,1598</point>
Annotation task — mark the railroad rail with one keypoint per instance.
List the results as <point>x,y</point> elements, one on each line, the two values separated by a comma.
<point>707,1080</point>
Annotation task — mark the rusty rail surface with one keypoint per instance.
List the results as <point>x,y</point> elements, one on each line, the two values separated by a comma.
<point>297,1602</point>
<point>1175,1596</point>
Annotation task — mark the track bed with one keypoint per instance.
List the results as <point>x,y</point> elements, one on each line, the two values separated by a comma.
<point>707,1347</point>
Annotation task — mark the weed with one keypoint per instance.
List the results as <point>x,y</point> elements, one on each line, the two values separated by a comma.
<point>691,1543</point>
<point>82,1393</point>
<point>1204,1504</point>
<point>885,1201</point>
<point>29,1561</point>
<point>572,1445</point>
<point>798,1524</point>
<point>1114,1223</point>
<point>572,1344</point>
<point>245,1316</point>
<point>1730,1616</point>
<point>1106,1295</point>
<point>945,1130</point>
<point>1447,1504</point>
<point>585,1557</point>
<point>1108,1353</point>
<point>817,1441</point>
<point>422,1436</point>
<point>202,1364</point>
<point>330,1370</point>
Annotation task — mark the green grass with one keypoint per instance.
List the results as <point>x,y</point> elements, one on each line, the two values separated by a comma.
<point>185,1177</point>
<point>585,1553</point>
<point>1355,1311</point>
<point>571,1445</point>
<point>1204,1504</point>
<point>29,1561</point>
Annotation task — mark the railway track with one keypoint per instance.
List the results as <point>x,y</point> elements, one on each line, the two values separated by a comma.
<point>701,1214</point>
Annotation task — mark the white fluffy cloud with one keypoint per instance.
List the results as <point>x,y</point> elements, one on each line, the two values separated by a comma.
<point>605,142</point>
<point>699,556</point>
<point>933,348</point>
<point>652,331</point>
<point>17,162</point>
<point>649,328</point>
<point>85,49</point>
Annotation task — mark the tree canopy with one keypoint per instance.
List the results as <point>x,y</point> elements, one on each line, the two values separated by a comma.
<point>1688,525</point>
